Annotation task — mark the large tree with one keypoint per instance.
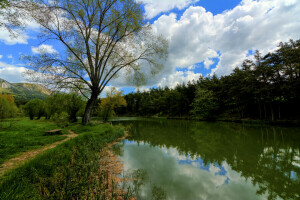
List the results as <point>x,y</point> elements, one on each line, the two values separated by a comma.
<point>100,38</point>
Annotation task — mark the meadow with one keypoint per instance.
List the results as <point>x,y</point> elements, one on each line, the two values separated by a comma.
<point>20,135</point>
<point>71,170</point>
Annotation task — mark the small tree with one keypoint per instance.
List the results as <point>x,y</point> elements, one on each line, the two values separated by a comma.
<point>113,100</point>
<point>8,108</point>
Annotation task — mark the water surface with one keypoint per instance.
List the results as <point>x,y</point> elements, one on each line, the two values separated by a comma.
<point>186,160</point>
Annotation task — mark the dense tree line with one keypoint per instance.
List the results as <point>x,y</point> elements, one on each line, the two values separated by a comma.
<point>266,88</point>
<point>160,101</point>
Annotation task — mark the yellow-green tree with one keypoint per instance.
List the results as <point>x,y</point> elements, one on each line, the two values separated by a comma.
<point>114,99</point>
<point>8,107</point>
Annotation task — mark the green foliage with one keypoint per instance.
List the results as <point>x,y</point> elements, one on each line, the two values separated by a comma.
<point>35,108</point>
<point>8,108</point>
<point>3,3</point>
<point>160,101</point>
<point>204,104</point>
<point>68,171</point>
<point>58,103</point>
<point>18,136</point>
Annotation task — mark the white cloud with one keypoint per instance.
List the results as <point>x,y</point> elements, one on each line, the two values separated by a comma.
<point>208,62</point>
<point>9,40</point>
<point>12,73</point>
<point>44,48</point>
<point>155,7</point>
<point>10,56</point>
<point>198,36</point>
<point>1,56</point>
<point>178,77</point>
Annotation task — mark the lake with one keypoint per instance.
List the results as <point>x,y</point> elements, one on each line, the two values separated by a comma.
<point>189,160</point>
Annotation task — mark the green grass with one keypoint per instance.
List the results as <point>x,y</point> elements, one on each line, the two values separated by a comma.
<point>65,172</point>
<point>20,135</point>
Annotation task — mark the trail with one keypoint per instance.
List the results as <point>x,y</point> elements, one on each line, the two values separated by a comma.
<point>26,156</point>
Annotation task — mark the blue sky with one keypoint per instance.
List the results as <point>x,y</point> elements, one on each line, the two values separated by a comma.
<point>205,37</point>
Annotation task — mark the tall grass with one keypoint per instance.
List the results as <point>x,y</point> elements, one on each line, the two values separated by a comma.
<point>69,171</point>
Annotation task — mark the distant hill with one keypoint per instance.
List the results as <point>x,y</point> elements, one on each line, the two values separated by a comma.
<point>24,91</point>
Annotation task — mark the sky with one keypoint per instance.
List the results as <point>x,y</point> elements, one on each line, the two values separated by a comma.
<point>205,37</point>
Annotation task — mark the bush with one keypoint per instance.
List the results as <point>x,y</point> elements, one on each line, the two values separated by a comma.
<point>61,119</point>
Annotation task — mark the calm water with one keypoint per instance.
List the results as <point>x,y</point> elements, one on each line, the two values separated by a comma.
<point>184,160</point>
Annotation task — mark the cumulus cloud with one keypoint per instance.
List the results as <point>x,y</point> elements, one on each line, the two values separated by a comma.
<point>155,7</point>
<point>12,73</point>
<point>44,48</point>
<point>198,36</point>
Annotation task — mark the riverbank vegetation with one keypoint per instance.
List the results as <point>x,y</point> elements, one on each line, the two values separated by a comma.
<point>264,89</point>
<point>71,170</point>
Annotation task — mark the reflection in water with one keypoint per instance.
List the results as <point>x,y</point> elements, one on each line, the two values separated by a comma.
<point>198,160</point>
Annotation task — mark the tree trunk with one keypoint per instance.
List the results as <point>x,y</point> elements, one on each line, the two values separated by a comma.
<point>272,112</point>
<point>279,115</point>
<point>265,110</point>
<point>89,108</point>
<point>260,117</point>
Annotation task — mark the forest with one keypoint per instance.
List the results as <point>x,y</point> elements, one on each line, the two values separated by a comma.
<point>264,89</point>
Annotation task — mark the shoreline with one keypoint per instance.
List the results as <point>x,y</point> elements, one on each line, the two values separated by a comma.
<point>284,122</point>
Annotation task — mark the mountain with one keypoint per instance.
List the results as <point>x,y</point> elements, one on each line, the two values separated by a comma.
<point>24,91</point>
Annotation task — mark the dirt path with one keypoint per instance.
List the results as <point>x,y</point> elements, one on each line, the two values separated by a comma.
<point>16,161</point>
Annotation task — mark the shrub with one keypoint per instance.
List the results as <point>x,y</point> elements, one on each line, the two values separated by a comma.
<point>61,119</point>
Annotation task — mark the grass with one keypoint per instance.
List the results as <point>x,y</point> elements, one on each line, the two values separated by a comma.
<point>20,135</point>
<point>69,171</point>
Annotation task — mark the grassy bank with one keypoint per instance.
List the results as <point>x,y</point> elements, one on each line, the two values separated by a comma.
<point>20,135</point>
<point>69,171</point>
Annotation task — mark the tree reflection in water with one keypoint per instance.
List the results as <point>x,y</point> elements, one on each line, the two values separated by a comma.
<point>268,156</point>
